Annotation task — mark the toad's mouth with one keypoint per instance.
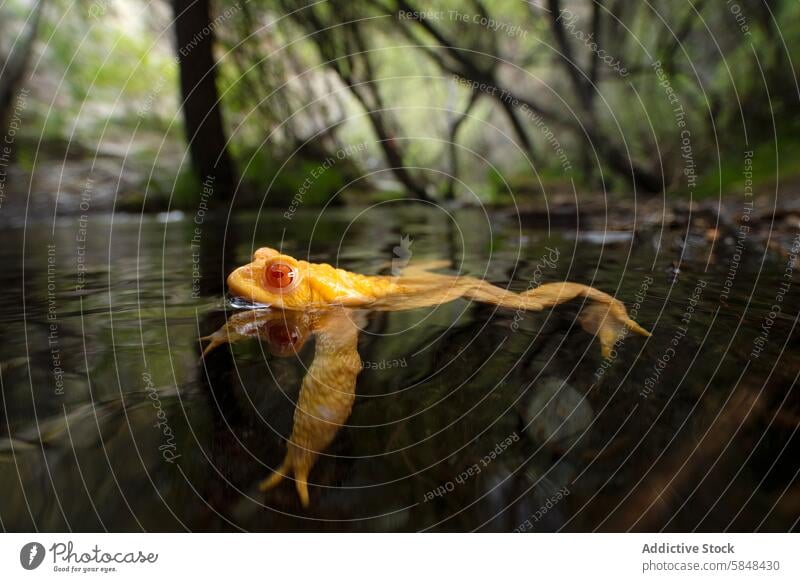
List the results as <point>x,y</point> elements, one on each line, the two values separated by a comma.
<point>243,285</point>
<point>236,302</point>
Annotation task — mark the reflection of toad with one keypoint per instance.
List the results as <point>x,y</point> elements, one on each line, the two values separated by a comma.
<point>313,299</point>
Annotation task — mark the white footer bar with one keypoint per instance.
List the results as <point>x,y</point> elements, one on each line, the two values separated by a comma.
<point>402,557</point>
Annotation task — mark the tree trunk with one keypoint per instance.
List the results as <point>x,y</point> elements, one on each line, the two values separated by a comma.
<point>201,109</point>
<point>12,73</point>
<point>452,145</point>
<point>390,147</point>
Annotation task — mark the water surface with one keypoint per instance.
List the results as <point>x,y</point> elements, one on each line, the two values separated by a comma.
<point>467,417</point>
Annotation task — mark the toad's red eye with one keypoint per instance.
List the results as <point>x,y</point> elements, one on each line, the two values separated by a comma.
<point>279,276</point>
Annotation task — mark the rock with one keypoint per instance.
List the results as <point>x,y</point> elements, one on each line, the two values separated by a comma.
<point>557,414</point>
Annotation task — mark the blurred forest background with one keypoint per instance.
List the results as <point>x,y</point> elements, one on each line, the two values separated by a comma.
<point>472,101</point>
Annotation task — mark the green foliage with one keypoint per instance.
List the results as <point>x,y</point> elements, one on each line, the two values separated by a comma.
<point>773,161</point>
<point>497,187</point>
<point>106,59</point>
<point>313,181</point>
<point>186,190</point>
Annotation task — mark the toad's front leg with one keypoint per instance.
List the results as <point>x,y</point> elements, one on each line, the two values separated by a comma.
<point>325,402</point>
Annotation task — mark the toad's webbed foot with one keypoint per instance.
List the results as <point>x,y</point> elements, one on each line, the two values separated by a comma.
<point>605,317</point>
<point>296,467</point>
<point>239,326</point>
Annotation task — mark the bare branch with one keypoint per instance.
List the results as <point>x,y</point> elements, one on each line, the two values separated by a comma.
<point>451,143</point>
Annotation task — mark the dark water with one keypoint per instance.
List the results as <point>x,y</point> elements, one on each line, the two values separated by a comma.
<point>466,417</point>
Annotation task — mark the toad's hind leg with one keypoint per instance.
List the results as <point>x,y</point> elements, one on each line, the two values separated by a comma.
<point>488,293</point>
<point>605,317</point>
<point>551,294</point>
